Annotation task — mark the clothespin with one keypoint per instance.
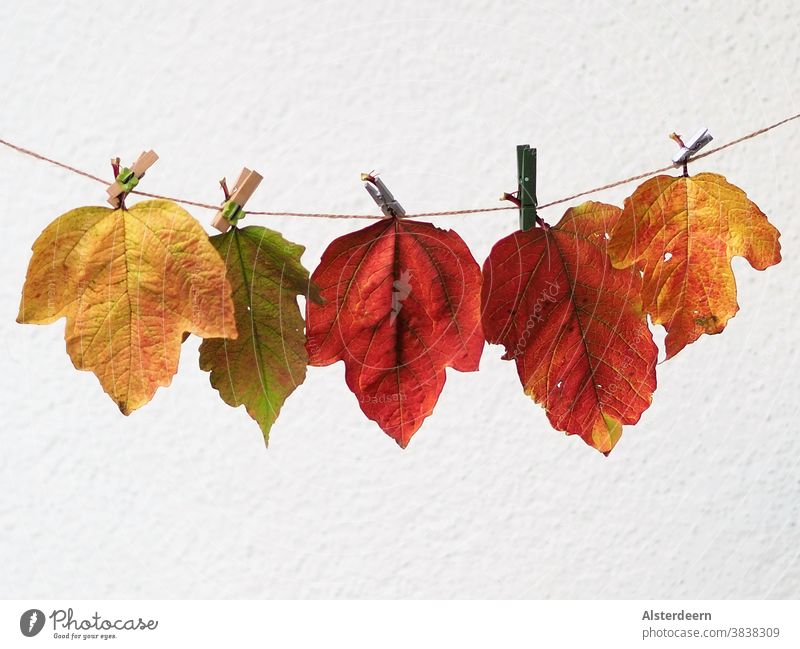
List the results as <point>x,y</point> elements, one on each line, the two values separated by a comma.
<point>232,208</point>
<point>526,170</point>
<point>382,196</point>
<point>689,149</point>
<point>525,197</point>
<point>126,179</point>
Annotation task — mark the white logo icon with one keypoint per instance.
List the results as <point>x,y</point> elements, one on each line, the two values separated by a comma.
<point>401,289</point>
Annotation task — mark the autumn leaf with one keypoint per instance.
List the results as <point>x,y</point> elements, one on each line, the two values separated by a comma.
<point>130,283</point>
<point>402,304</point>
<point>681,233</point>
<point>573,324</point>
<point>267,361</point>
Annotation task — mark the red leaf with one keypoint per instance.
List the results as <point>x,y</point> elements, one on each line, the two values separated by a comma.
<point>573,324</point>
<point>401,305</point>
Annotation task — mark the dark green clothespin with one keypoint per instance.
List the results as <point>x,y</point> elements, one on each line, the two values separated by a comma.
<point>526,194</point>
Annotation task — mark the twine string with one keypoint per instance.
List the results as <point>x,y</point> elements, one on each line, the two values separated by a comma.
<point>478,210</point>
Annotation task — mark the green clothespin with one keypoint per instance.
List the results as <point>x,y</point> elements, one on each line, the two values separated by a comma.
<point>526,170</point>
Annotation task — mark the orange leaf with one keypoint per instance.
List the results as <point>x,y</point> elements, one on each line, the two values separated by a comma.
<point>402,302</point>
<point>573,324</point>
<point>130,283</point>
<point>681,233</point>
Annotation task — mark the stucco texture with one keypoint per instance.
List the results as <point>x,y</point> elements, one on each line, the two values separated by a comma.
<point>181,500</point>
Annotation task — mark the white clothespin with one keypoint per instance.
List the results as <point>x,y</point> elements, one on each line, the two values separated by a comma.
<point>690,148</point>
<point>127,179</point>
<point>382,196</point>
<point>231,210</point>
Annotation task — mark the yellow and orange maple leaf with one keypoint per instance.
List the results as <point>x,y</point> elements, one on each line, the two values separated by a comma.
<point>681,233</point>
<point>130,283</point>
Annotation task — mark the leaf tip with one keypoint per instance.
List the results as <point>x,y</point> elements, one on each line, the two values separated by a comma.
<point>606,434</point>
<point>124,408</point>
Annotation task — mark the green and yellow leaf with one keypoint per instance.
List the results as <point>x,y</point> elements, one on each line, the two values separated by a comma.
<point>264,365</point>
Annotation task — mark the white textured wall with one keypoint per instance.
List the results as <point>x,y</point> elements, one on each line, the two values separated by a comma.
<point>181,499</point>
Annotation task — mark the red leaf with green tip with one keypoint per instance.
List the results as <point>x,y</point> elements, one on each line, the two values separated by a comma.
<point>573,324</point>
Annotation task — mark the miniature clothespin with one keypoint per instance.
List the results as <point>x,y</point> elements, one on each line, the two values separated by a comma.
<point>382,196</point>
<point>690,148</point>
<point>232,209</point>
<point>126,179</point>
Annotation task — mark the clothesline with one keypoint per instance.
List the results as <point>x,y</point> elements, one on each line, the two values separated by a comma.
<point>478,210</point>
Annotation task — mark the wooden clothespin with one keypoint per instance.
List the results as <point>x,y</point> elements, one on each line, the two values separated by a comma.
<point>525,197</point>
<point>231,210</point>
<point>382,196</point>
<point>127,179</point>
<point>690,148</point>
